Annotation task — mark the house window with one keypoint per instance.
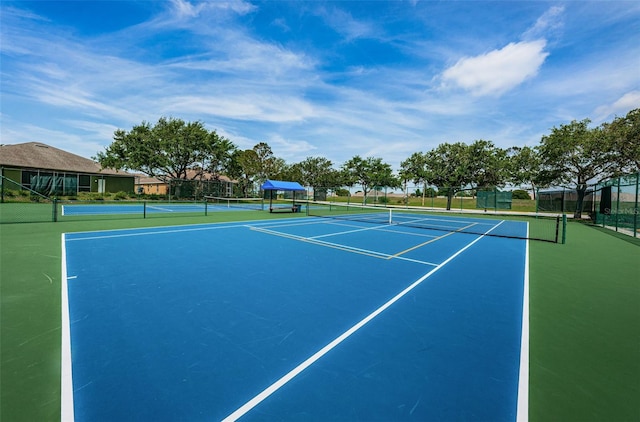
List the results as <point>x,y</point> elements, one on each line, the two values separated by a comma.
<point>84,183</point>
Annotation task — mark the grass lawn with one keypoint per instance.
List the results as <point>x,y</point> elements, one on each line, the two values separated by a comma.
<point>584,320</point>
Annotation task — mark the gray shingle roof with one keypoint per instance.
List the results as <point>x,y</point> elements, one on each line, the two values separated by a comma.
<point>37,155</point>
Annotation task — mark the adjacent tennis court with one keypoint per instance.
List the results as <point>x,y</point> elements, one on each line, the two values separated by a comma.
<point>295,319</point>
<point>71,209</point>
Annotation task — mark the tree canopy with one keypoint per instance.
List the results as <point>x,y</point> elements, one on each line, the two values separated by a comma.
<point>167,149</point>
<point>572,155</point>
<point>369,172</point>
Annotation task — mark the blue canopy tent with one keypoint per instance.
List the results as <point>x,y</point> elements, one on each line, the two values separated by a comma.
<point>279,185</point>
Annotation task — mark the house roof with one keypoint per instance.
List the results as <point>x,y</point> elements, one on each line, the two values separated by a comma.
<point>37,155</point>
<point>280,185</point>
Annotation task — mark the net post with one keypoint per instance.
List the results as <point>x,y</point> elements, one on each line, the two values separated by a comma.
<point>390,216</point>
<point>205,205</point>
<point>54,215</point>
<point>144,209</point>
<point>564,228</point>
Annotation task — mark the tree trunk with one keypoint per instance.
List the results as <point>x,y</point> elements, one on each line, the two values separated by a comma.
<point>581,190</point>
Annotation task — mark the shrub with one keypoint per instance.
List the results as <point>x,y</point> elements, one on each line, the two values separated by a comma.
<point>120,195</point>
<point>520,194</point>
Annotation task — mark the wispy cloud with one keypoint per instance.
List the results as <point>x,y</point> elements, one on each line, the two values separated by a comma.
<point>620,107</point>
<point>346,25</point>
<point>549,24</point>
<point>497,71</point>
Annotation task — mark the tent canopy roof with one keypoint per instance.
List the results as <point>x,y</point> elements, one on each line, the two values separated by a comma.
<point>281,185</point>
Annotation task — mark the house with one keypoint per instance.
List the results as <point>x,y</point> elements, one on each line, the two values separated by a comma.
<point>53,172</point>
<point>150,185</point>
<point>195,184</point>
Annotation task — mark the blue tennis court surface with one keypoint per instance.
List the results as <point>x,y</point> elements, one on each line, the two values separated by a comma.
<point>150,207</point>
<point>295,319</point>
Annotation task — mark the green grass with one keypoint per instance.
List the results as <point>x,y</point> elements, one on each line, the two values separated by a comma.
<point>585,320</point>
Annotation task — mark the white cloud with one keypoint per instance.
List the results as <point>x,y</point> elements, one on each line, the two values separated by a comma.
<point>184,9</point>
<point>345,24</point>
<point>624,104</point>
<point>498,71</point>
<point>549,23</point>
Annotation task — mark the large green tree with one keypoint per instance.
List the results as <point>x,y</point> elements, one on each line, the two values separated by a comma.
<point>523,166</point>
<point>255,166</point>
<point>415,169</point>
<point>574,155</point>
<point>167,149</point>
<point>487,165</point>
<point>624,134</point>
<point>244,167</point>
<point>449,165</point>
<point>318,172</point>
<point>369,172</point>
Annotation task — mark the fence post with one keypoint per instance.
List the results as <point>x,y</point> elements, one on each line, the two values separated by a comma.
<point>635,209</point>
<point>618,204</point>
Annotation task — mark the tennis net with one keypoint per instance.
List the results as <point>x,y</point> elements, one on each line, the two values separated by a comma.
<point>244,203</point>
<point>511,225</point>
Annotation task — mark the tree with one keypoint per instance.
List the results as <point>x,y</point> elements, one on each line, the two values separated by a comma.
<point>244,167</point>
<point>624,134</point>
<point>218,163</point>
<point>415,169</point>
<point>318,172</point>
<point>265,161</point>
<point>165,150</point>
<point>574,155</point>
<point>523,166</point>
<point>487,164</point>
<point>449,168</point>
<point>369,173</point>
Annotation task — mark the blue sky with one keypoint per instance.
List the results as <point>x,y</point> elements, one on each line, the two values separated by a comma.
<point>313,78</point>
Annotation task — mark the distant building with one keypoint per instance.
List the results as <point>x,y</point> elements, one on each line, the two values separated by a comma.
<point>202,183</point>
<point>53,172</point>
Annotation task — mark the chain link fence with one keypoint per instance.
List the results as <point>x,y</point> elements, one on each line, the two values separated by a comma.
<point>616,204</point>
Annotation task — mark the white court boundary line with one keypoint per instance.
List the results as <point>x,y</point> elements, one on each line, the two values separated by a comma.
<point>66,379</point>
<point>242,410</point>
<point>522,412</point>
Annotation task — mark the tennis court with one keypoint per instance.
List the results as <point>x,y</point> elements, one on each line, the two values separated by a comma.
<point>301,318</point>
<point>160,207</point>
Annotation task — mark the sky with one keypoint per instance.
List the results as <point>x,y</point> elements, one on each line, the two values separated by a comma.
<point>331,79</point>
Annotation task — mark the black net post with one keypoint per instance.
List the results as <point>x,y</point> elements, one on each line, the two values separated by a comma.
<point>144,209</point>
<point>54,212</point>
